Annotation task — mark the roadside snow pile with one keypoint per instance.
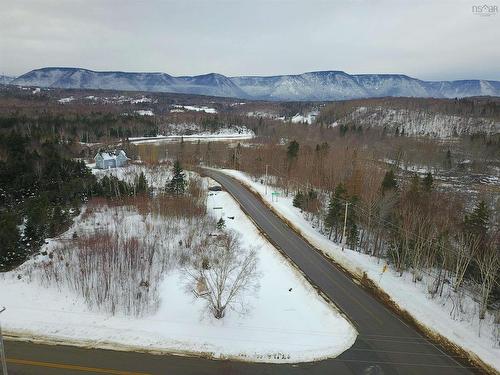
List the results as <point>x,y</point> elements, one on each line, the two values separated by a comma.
<point>119,282</point>
<point>445,315</point>
<point>66,100</point>
<point>177,108</point>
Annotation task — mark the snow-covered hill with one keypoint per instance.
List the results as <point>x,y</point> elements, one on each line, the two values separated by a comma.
<point>420,122</point>
<point>326,85</point>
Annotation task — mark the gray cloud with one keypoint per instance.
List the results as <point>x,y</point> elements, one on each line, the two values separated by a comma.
<point>425,39</point>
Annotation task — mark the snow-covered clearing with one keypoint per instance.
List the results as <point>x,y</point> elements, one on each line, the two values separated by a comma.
<point>141,100</point>
<point>458,322</point>
<point>220,135</point>
<point>264,114</point>
<point>284,320</point>
<point>308,118</point>
<point>66,100</point>
<point>156,175</point>
<point>144,112</point>
<point>193,108</point>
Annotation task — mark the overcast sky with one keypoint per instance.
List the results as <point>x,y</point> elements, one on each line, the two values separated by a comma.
<point>424,39</point>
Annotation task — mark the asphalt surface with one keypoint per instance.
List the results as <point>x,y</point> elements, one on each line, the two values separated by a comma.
<point>385,345</point>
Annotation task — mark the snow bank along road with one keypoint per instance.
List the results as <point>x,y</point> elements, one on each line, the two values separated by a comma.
<point>385,344</point>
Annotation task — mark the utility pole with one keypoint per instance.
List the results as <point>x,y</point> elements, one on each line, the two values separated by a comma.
<point>267,165</point>
<point>345,226</point>
<point>2,351</point>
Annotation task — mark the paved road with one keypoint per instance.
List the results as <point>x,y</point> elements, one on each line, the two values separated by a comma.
<point>385,345</point>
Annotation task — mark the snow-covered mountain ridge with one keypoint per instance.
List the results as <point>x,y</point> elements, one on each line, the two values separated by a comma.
<point>5,80</point>
<point>326,85</point>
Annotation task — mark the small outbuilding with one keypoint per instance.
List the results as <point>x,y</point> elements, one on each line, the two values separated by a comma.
<point>111,159</point>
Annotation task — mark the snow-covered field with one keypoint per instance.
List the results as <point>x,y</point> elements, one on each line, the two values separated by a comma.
<point>178,107</point>
<point>234,133</point>
<point>460,324</point>
<point>144,112</point>
<point>284,320</point>
<point>66,100</point>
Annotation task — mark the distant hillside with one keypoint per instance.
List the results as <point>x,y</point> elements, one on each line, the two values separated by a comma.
<point>5,80</point>
<point>439,118</point>
<point>321,86</point>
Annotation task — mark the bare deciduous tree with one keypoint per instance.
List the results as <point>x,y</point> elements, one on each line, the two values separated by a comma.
<point>225,269</point>
<point>488,263</point>
<point>468,245</point>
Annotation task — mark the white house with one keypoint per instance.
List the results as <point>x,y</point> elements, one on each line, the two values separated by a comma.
<point>110,159</point>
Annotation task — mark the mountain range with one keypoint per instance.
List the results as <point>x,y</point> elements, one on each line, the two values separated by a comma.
<point>322,86</point>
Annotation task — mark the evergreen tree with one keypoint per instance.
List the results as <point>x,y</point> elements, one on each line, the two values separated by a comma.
<point>177,184</point>
<point>58,221</point>
<point>9,238</point>
<point>389,182</point>
<point>36,221</point>
<point>293,149</point>
<point>477,222</point>
<point>141,184</point>
<point>427,182</point>
<point>352,231</point>
<point>299,200</point>
<point>312,195</point>
<point>343,129</point>
<point>447,161</point>
<point>221,224</point>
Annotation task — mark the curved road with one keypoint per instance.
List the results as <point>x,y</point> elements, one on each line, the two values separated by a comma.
<point>385,345</point>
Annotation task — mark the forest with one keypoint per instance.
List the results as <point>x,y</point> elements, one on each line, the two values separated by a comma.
<point>420,203</point>
<point>41,190</point>
<point>409,220</point>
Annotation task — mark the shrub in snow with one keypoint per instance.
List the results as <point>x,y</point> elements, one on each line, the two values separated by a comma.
<point>124,248</point>
<point>221,224</point>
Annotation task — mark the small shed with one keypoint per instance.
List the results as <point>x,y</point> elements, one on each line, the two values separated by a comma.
<point>111,159</point>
